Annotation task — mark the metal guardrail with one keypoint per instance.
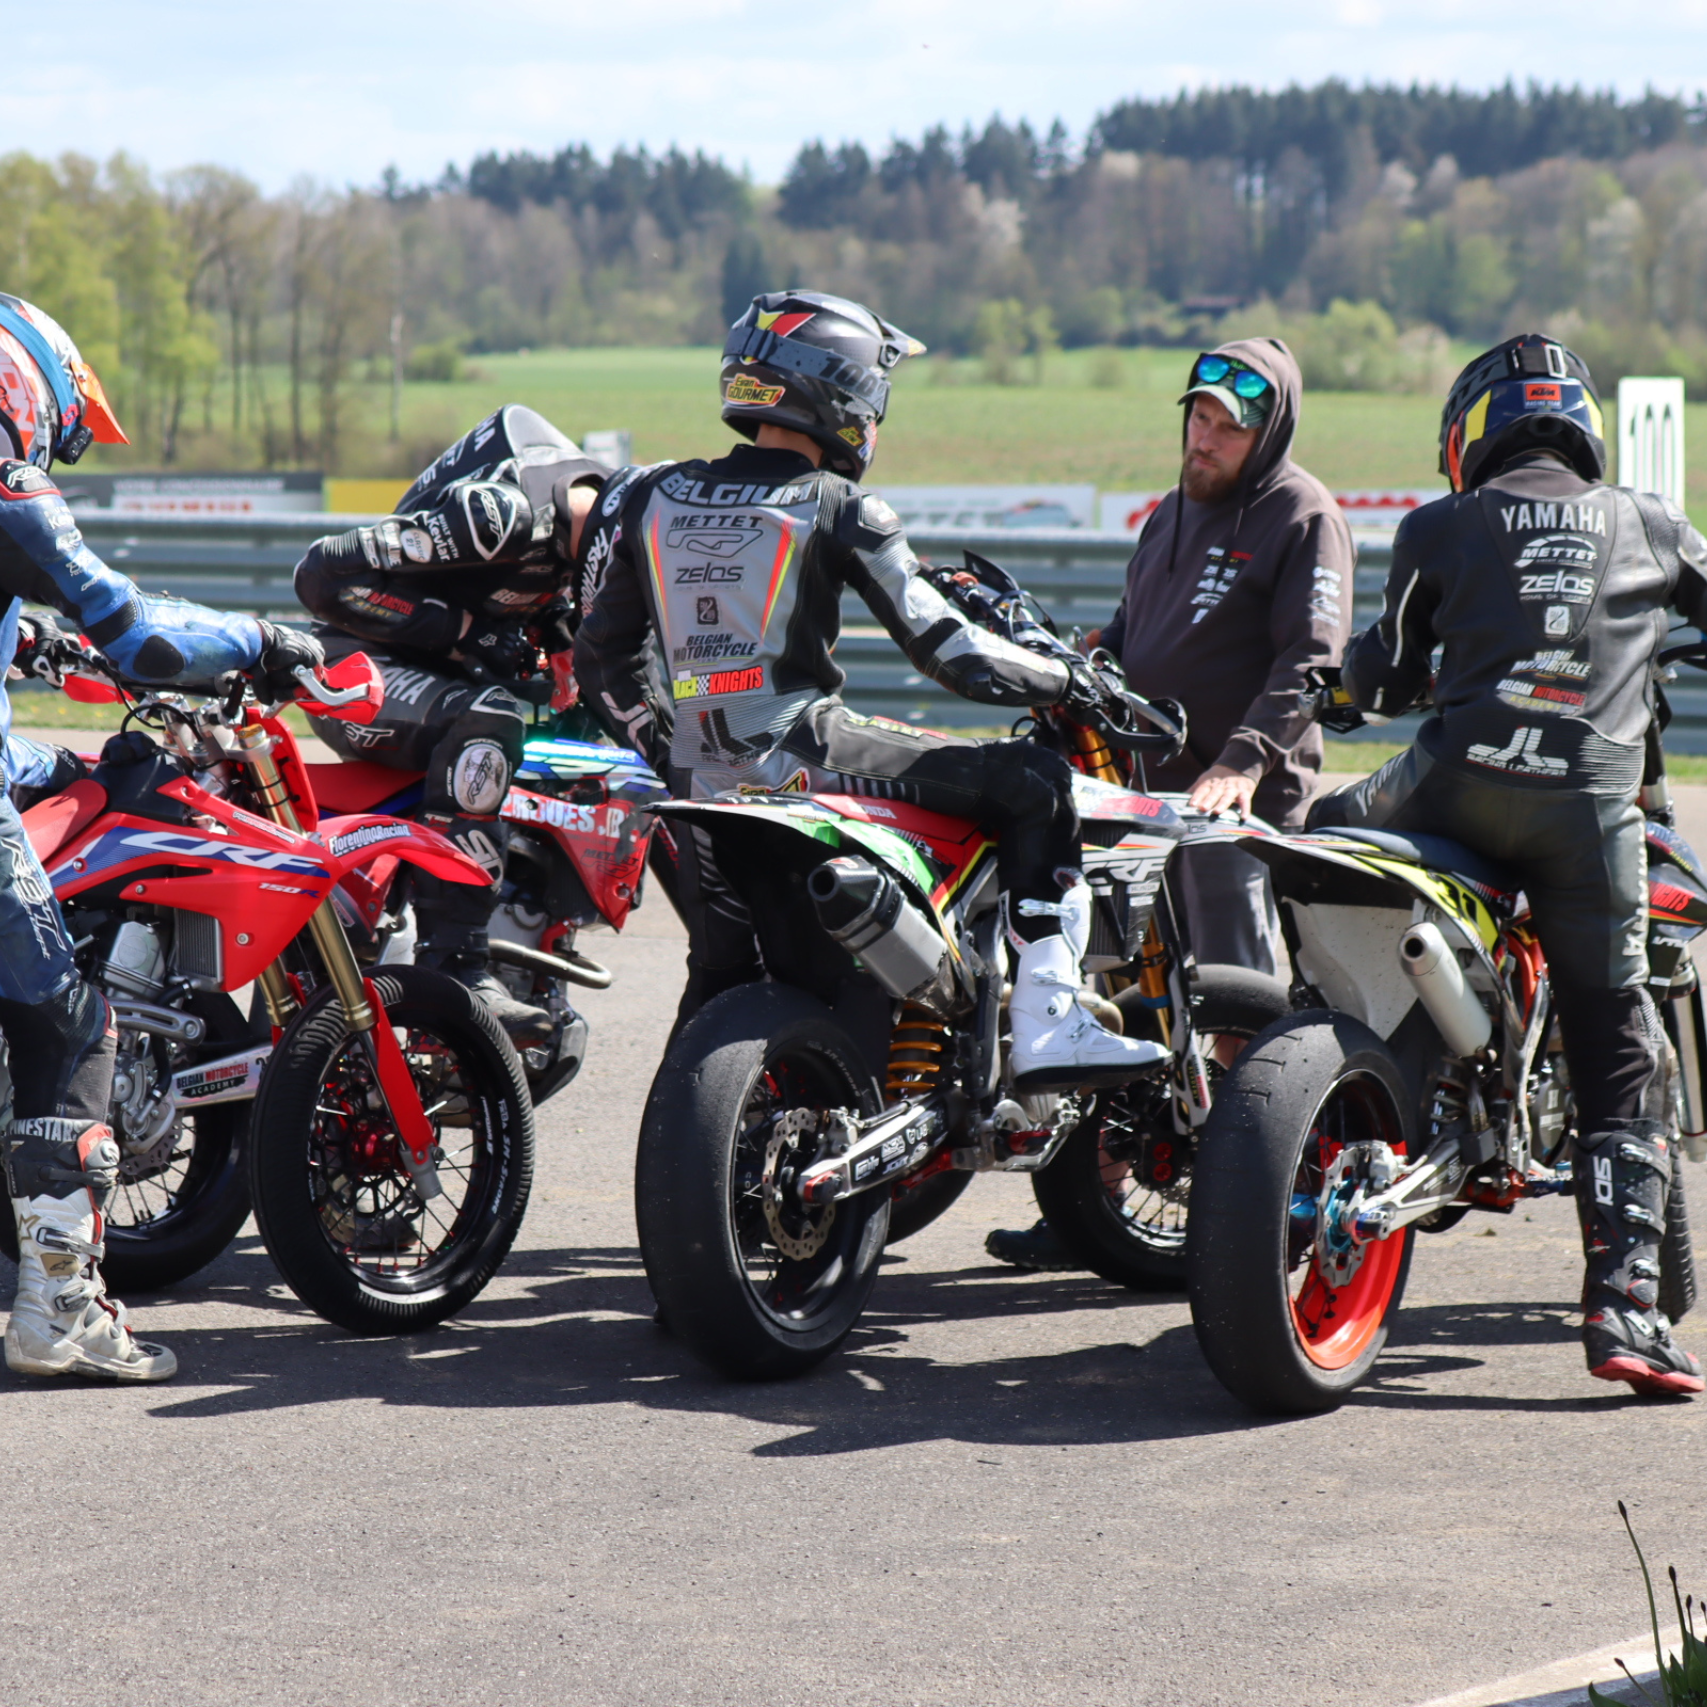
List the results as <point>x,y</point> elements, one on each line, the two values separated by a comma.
<point>245,563</point>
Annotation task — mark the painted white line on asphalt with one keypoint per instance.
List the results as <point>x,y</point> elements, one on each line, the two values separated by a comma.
<point>1565,1683</point>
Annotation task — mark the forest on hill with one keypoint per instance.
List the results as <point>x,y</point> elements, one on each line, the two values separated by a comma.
<point>1371,225</point>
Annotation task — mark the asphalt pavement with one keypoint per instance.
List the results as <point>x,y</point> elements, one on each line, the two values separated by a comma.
<point>1006,1488</point>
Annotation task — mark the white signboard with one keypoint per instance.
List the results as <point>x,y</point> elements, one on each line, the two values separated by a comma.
<point>1383,508</point>
<point>925,507</point>
<point>1650,436</point>
<point>613,446</point>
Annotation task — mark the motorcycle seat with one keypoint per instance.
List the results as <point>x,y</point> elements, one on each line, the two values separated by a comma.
<point>1440,853</point>
<point>52,823</point>
<point>357,785</point>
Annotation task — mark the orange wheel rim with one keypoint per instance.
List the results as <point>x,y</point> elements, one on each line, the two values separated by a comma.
<point>1335,1326</point>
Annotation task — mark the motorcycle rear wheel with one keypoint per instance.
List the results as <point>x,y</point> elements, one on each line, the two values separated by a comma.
<point>1276,1331</point>
<point>711,1186</point>
<point>1128,1231</point>
<point>334,1203</point>
<point>168,1222</point>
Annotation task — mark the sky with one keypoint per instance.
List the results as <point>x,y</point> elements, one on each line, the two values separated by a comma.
<point>337,92</point>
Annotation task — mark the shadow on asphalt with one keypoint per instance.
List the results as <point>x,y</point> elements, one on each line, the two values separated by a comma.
<point>583,1334</point>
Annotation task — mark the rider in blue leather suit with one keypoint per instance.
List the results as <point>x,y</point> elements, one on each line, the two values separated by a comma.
<point>61,1158</point>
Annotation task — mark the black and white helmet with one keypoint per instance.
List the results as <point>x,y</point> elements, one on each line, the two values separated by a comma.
<point>817,365</point>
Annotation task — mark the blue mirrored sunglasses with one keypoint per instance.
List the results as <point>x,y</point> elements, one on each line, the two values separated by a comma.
<point>1213,370</point>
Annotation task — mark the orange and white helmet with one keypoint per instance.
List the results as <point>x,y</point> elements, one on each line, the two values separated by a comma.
<point>51,404</point>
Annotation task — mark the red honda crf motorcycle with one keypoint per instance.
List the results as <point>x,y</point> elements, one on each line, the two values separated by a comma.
<point>391,1133</point>
<point>579,837</point>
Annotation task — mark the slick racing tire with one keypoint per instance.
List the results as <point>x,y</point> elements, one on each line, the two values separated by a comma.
<point>756,1283</point>
<point>912,1208</point>
<point>1677,1250</point>
<point>1289,1320</point>
<point>1118,1193</point>
<point>337,1209</point>
<point>177,1207</point>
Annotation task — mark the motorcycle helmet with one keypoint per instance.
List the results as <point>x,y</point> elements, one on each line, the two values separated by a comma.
<point>51,404</point>
<point>816,365</point>
<point>1528,393</point>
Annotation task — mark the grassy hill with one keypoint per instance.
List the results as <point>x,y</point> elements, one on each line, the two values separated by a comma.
<point>946,423</point>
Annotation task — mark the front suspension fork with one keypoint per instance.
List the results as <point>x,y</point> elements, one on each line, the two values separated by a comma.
<point>356,994</point>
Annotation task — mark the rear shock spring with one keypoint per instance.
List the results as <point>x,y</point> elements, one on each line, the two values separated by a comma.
<point>916,1051</point>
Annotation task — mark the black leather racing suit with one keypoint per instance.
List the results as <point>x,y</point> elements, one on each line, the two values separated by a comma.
<point>1548,596</point>
<point>738,566</point>
<point>482,534</point>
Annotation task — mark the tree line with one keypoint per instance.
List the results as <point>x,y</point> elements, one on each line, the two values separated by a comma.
<point>1374,223</point>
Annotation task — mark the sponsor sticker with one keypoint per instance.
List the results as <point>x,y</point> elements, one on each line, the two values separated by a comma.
<point>744,388</point>
<point>367,836</point>
<point>718,682</point>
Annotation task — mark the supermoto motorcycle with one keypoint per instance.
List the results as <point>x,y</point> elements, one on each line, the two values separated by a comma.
<point>579,839</point>
<point>1424,1078</point>
<point>867,1075</point>
<point>390,1130</point>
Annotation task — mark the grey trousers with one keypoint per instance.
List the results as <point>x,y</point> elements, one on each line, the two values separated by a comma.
<point>1229,908</point>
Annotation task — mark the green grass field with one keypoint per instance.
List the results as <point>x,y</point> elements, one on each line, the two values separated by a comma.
<point>964,431</point>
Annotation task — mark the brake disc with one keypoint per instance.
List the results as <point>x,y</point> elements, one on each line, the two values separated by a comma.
<point>812,1227</point>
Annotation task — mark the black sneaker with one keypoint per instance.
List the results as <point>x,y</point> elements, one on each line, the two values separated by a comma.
<point>1038,1248</point>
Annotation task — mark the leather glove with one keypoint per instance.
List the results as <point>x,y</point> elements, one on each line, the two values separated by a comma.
<point>501,649</point>
<point>284,651</point>
<point>44,648</point>
<point>1084,690</point>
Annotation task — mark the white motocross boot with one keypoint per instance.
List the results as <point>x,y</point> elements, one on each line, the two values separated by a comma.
<point>61,1175</point>
<point>1057,1044</point>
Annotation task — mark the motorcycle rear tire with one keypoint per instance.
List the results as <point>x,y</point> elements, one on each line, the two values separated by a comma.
<point>1677,1250</point>
<point>288,1177</point>
<point>1076,1193</point>
<point>726,1289</point>
<point>1281,1100</point>
<point>912,1208</point>
<point>212,1203</point>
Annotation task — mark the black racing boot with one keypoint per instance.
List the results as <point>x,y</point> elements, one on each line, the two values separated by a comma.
<point>451,922</point>
<point>1038,1248</point>
<point>1623,1177</point>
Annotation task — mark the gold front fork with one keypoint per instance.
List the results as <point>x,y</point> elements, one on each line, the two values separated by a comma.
<point>328,931</point>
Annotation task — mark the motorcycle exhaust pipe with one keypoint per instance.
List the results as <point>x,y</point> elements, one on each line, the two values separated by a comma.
<point>864,909</point>
<point>1446,996</point>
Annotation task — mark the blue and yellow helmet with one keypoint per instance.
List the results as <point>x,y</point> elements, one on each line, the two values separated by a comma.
<point>1529,392</point>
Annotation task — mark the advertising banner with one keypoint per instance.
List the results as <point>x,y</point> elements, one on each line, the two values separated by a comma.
<point>925,507</point>
<point>189,494</point>
<point>1375,508</point>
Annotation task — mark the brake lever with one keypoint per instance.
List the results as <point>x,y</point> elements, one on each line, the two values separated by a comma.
<point>319,692</point>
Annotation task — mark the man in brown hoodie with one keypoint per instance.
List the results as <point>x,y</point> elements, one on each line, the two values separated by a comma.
<point>1241,581</point>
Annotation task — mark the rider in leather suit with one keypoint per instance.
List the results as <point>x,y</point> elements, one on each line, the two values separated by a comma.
<point>737,565</point>
<point>1547,590</point>
<point>451,597</point>
<point>61,1157</point>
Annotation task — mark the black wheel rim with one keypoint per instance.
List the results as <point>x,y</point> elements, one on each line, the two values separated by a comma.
<point>1136,1137</point>
<point>793,1286</point>
<point>159,1183</point>
<point>363,1198</point>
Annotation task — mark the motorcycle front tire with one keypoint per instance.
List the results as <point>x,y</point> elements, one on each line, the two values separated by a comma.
<point>312,1236</point>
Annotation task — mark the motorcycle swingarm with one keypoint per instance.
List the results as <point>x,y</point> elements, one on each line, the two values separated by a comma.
<point>872,1152</point>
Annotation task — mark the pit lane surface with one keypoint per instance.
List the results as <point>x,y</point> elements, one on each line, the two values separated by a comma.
<point>1006,1489</point>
